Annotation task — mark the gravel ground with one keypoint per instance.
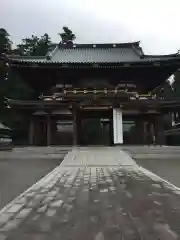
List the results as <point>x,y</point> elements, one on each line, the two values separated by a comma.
<point>16,175</point>
<point>169,169</point>
<point>96,193</point>
<point>163,161</point>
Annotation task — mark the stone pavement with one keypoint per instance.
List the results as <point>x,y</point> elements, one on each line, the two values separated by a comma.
<point>52,152</point>
<point>96,193</point>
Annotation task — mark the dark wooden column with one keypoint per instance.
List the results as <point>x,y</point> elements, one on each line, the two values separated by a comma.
<point>75,127</point>
<point>161,131</point>
<point>144,132</point>
<point>111,136</point>
<point>160,137</point>
<point>79,122</point>
<point>48,130</point>
<point>175,118</point>
<point>53,132</point>
<point>31,131</point>
<point>152,130</point>
<point>156,130</point>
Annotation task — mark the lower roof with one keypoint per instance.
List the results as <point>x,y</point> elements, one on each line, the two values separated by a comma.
<point>132,104</point>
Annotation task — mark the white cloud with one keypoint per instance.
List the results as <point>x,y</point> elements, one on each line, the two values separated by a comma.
<point>153,22</point>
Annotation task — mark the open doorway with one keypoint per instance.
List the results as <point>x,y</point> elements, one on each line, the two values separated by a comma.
<point>96,128</point>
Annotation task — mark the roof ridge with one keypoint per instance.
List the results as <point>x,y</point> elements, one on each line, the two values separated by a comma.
<point>138,50</point>
<point>161,55</point>
<point>135,50</point>
<point>25,57</point>
<point>51,53</point>
<point>98,45</point>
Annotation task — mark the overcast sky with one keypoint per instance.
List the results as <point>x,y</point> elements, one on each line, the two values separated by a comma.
<point>153,22</point>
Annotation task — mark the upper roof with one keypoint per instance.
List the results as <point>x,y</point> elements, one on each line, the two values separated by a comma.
<point>95,53</point>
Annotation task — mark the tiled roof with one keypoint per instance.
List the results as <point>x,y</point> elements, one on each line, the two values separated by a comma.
<point>2,126</point>
<point>96,53</point>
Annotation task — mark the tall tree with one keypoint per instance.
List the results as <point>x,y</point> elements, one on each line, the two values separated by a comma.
<point>34,46</point>
<point>5,42</point>
<point>67,36</point>
<point>5,48</point>
<point>43,45</point>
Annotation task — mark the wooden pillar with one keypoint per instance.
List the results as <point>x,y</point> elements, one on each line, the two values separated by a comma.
<point>144,132</point>
<point>111,131</point>
<point>48,130</point>
<point>31,131</point>
<point>148,133</point>
<point>175,118</point>
<point>161,131</point>
<point>178,115</point>
<point>75,127</point>
<point>53,132</point>
<point>78,122</point>
<point>160,137</point>
<point>156,130</point>
<point>153,132</point>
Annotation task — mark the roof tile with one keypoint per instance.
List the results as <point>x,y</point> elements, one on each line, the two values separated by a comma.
<point>101,53</point>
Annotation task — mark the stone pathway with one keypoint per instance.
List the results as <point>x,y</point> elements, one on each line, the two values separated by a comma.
<point>96,193</point>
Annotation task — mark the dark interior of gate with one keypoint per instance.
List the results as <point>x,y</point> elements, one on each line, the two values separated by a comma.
<point>81,85</point>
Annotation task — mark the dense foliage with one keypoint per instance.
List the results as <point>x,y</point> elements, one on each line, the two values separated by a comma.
<point>67,36</point>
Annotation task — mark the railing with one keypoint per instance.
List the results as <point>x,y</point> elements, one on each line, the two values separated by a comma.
<point>98,93</point>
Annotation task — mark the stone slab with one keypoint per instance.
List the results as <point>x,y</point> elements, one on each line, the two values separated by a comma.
<point>96,193</point>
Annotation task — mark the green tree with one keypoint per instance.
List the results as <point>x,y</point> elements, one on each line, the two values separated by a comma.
<point>43,45</point>
<point>5,42</point>
<point>5,48</point>
<point>34,46</point>
<point>67,36</point>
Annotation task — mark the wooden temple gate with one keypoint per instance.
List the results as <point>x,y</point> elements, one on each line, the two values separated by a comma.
<point>135,128</point>
<point>112,86</point>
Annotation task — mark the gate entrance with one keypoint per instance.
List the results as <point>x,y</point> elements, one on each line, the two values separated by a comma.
<point>95,128</point>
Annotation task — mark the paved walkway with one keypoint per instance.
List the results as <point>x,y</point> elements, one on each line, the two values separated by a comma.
<point>96,193</point>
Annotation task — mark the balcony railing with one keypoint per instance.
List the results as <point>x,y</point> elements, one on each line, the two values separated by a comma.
<point>98,93</point>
